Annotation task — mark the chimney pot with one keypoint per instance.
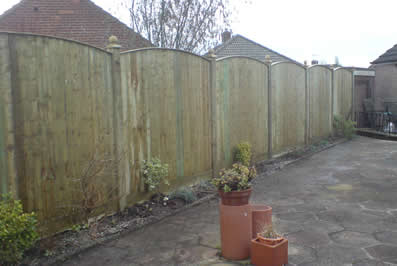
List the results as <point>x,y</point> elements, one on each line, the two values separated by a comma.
<point>226,35</point>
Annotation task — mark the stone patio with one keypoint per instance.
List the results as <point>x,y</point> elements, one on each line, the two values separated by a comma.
<point>338,207</point>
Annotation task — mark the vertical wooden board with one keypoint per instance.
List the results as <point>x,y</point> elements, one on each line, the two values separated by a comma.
<point>6,119</point>
<point>343,92</point>
<point>288,106</point>
<point>242,87</point>
<point>320,94</point>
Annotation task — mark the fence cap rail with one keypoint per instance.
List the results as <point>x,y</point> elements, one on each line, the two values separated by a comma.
<point>344,68</point>
<point>289,62</point>
<point>322,66</point>
<point>163,49</point>
<point>52,37</point>
<point>240,56</point>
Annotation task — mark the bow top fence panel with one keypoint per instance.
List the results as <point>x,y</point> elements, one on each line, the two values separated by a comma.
<point>62,116</point>
<point>320,105</point>
<point>166,112</point>
<point>288,81</point>
<point>242,107</point>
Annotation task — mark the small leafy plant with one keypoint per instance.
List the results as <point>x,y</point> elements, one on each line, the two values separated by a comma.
<point>268,232</point>
<point>344,127</point>
<point>154,173</point>
<point>18,230</point>
<point>184,193</point>
<point>242,153</point>
<point>236,178</point>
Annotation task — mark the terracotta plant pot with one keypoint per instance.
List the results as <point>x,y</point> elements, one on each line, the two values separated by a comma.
<point>261,216</point>
<point>235,198</point>
<point>270,241</point>
<point>235,223</point>
<point>265,254</point>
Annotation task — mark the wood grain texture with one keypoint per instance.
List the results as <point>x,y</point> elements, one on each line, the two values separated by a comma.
<point>320,100</point>
<point>343,92</point>
<point>63,103</point>
<point>8,175</point>
<point>288,106</point>
<point>60,105</point>
<point>167,114</point>
<point>242,91</point>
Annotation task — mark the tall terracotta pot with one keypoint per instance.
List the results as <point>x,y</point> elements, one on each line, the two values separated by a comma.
<point>235,223</point>
<point>261,217</point>
<point>235,198</point>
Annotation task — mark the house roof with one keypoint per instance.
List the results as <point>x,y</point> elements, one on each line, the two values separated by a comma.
<point>241,46</point>
<point>79,20</point>
<point>388,57</point>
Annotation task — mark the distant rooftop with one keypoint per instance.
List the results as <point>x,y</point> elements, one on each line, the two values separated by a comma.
<point>79,20</point>
<point>241,46</point>
<point>389,57</point>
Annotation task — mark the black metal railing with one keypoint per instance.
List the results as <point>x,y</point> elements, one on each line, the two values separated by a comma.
<point>384,122</point>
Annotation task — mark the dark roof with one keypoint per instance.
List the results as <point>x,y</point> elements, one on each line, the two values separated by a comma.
<point>79,20</point>
<point>388,57</point>
<point>241,46</point>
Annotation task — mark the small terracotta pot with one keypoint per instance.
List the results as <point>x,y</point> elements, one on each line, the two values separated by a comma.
<point>235,198</point>
<point>270,241</point>
<point>264,254</point>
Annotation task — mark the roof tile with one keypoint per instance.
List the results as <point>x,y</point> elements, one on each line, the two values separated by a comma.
<point>80,20</point>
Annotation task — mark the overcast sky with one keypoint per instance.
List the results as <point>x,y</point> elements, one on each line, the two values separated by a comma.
<point>357,31</point>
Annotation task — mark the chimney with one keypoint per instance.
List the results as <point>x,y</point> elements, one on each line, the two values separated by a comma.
<point>314,62</point>
<point>226,35</point>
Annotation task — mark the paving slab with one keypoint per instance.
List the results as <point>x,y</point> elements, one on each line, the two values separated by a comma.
<point>337,207</point>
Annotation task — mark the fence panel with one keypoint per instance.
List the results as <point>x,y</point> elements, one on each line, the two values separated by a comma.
<point>288,106</point>
<point>167,114</point>
<point>60,106</point>
<point>320,95</point>
<point>242,107</point>
<point>343,92</point>
<point>63,117</point>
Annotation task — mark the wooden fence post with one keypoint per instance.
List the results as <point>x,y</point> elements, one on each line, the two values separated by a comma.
<point>118,136</point>
<point>307,107</point>
<point>214,120</point>
<point>268,62</point>
<point>8,169</point>
<point>353,117</point>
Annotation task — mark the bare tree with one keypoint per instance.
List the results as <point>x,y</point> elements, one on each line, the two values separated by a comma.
<point>191,25</point>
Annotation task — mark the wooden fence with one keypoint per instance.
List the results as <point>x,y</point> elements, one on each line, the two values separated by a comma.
<point>62,102</point>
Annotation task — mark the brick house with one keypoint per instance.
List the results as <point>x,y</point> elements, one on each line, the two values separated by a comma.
<point>79,20</point>
<point>385,67</point>
<point>238,45</point>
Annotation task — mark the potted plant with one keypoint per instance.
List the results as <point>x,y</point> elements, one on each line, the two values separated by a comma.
<point>269,248</point>
<point>234,184</point>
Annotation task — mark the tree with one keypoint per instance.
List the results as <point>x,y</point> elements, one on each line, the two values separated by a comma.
<point>191,25</point>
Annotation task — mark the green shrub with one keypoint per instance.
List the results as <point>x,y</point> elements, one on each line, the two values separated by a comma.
<point>242,153</point>
<point>344,127</point>
<point>18,230</point>
<point>236,178</point>
<point>154,173</point>
<point>184,193</point>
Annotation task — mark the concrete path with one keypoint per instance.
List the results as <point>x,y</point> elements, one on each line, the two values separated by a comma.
<point>339,207</point>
